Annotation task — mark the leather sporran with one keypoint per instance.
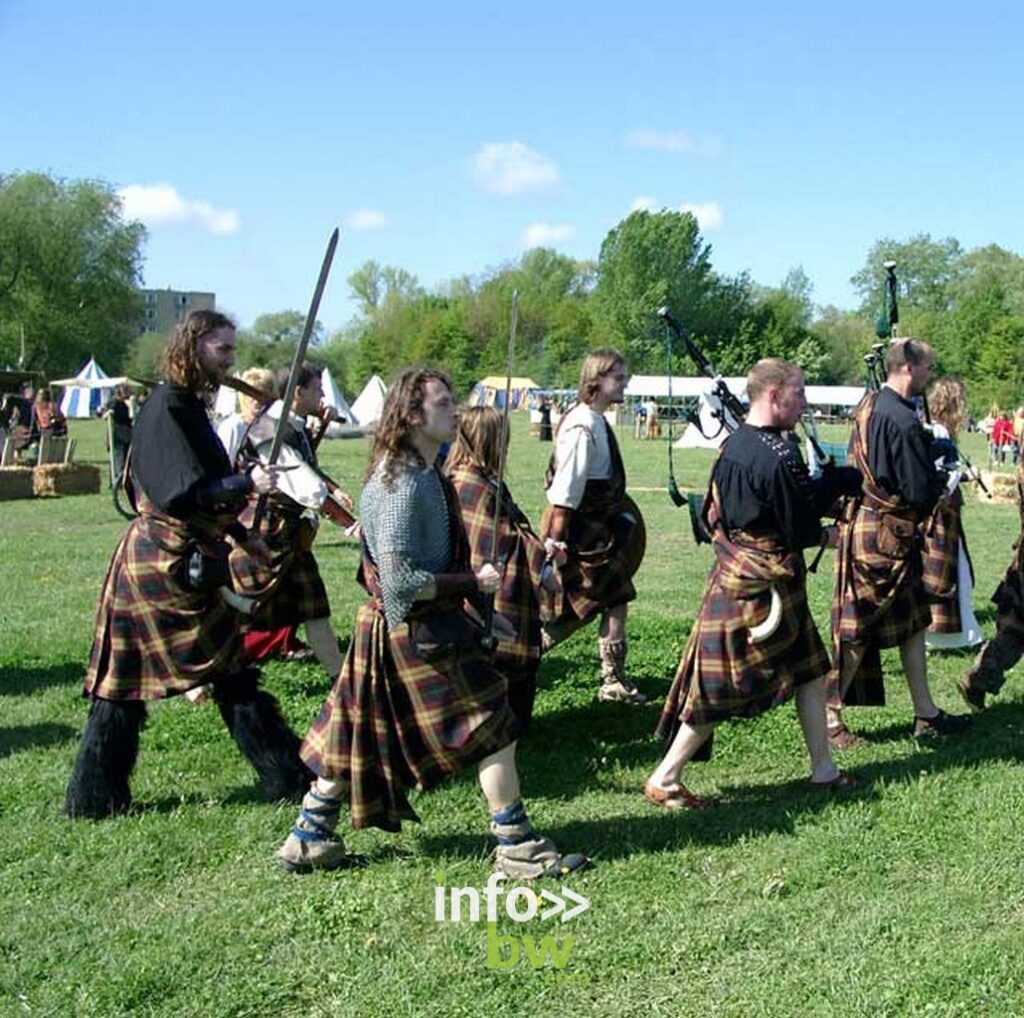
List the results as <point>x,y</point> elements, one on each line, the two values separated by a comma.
<point>895,536</point>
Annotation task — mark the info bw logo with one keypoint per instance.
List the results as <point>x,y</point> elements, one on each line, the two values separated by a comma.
<point>521,904</point>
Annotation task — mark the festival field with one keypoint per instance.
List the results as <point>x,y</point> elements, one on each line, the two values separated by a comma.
<point>905,897</point>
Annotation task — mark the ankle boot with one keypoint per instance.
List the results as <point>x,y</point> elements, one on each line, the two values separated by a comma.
<point>313,843</point>
<point>615,686</point>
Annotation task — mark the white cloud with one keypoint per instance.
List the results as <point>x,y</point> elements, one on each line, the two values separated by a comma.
<point>643,204</point>
<point>366,219</point>
<point>512,168</point>
<point>546,234</point>
<point>156,204</point>
<point>674,141</point>
<point>708,214</point>
<point>661,141</point>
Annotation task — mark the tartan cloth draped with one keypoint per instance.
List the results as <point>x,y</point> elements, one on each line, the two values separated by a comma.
<point>607,540</point>
<point>394,721</point>
<point>288,588</point>
<point>1008,597</point>
<point>878,599</point>
<point>722,674</point>
<point>943,537</point>
<point>517,599</point>
<point>153,637</point>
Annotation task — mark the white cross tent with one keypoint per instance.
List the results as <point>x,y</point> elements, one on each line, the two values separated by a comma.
<point>369,403</point>
<point>333,396</point>
<point>87,391</point>
<point>817,396</point>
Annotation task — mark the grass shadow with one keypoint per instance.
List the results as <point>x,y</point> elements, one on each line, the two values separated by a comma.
<point>19,681</point>
<point>754,809</point>
<point>23,737</point>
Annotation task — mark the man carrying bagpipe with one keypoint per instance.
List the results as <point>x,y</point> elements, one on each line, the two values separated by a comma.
<point>879,598</point>
<point>754,643</point>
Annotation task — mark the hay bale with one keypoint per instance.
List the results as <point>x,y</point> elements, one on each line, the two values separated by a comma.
<point>1002,485</point>
<point>15,482</point>
<point>65,479</point>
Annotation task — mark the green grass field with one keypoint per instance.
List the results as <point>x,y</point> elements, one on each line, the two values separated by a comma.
<point>903,898</point>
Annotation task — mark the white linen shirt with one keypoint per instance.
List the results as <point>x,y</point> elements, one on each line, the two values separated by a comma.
<point>581,455</point>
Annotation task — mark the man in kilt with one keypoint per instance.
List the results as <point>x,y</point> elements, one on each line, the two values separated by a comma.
<point>1004,650</point>
<point>754,643</point>
<point>879,598</point>
<point>593,526</point>
<point>168,617</point>
<point>472,467</point>
<point>295,591</point>
<point>418,696</point>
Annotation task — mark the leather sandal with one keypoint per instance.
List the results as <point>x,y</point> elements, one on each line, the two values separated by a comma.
<point>842,738</point>
<point>676,798</point>
<point>840,783</point>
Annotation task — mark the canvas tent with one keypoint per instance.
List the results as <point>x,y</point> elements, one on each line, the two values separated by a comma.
<point>490,391</point>
<point>369,403</point>
<point>333,396</point>
<point>88,390</point>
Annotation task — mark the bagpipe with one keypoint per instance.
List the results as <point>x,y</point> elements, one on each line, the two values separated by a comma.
<point>730,412</point>
<point>887,330</point>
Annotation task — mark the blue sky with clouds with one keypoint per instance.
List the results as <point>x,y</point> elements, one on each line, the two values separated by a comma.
<point>448,138</point>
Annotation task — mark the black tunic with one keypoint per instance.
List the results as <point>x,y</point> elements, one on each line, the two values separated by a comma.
<point>175,450</point>
<point>764,488</point>
<point>899,452</point>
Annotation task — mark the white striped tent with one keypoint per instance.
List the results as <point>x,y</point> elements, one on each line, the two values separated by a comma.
<point>87,391</point>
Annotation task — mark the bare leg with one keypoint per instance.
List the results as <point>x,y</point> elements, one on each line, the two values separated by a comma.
<point>325,645</point>
<point>810,709</point>
<point>613,623</point>
<point>499,778</point>
<point>915,668</point>
<point>852,653</point>
<point>683,748</point>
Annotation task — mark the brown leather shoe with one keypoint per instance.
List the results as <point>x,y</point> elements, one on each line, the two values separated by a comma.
<point>676,798</point>
<point>973,697</point>
<point>842,739</point>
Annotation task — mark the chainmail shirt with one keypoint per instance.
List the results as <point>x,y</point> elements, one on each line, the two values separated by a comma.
<point>406,529</point>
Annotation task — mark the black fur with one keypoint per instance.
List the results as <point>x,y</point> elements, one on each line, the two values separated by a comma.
<point>261,733</point>
<point>99,784</point>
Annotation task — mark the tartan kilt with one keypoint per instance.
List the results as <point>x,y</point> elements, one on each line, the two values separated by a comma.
<point>722,674</point>
<point>606,547</point>
<point>943,534</point>
<point>878,600</point>
<point>516,601</point>
<point>1008,597</point>
<point>288,588</point>
<point>153,637</point>
<point>393,721</point>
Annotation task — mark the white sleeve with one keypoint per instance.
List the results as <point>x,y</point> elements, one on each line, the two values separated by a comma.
<point>572,456</point>
<point>302,484</point>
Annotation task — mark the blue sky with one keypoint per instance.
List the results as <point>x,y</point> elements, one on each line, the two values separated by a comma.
<point>444,138</point>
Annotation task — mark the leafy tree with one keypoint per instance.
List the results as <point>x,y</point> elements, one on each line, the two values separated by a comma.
<point>69,272</point>
<point>925,269</point>
<point>648,260</point>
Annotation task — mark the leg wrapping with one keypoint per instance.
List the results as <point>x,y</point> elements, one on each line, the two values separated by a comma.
<point>99,784</point>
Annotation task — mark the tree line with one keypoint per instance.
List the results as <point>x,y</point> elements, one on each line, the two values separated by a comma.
<point>70,267</point>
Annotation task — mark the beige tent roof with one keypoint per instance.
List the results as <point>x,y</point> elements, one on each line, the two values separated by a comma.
<point>498,382</point>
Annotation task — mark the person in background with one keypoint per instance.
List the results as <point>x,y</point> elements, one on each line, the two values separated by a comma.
<point>592,525</point>
<point>948,571</point>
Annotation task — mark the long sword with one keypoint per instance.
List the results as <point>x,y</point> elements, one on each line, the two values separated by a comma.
<point>300,356</point>
<point>502,457</point>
